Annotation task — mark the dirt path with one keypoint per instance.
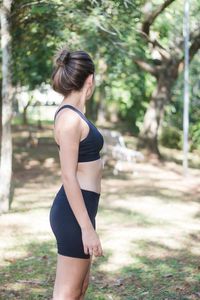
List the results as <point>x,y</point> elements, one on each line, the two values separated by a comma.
<point>149,224</point>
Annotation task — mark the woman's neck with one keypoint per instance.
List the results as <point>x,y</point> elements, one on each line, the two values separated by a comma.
<point>74,101</point>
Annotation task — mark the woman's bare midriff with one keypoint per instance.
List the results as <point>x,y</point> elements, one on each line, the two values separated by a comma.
<point>89,175</point>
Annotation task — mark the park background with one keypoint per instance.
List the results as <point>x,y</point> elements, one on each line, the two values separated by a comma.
<point>149,214</point>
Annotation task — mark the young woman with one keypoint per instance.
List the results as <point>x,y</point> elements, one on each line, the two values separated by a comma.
<point>73,212</point>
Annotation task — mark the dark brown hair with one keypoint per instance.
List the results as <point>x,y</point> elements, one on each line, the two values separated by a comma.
<point>71,70</point>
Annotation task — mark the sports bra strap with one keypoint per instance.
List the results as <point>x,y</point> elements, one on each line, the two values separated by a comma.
<point>73,108</point>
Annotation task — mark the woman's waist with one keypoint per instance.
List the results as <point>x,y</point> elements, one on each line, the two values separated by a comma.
<point>90,181</point>
<point>93,167</point>
<point>89,176</point>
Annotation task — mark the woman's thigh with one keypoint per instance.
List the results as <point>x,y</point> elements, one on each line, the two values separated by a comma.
<point>70,274</point>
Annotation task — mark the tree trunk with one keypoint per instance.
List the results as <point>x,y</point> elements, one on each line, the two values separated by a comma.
<point>166,76</point>
<point>166,67</point>
<point>25,119</point>
<point>7,92</point>
<point>0,109</point>
<point>101,117</point>
<point>148,137</point>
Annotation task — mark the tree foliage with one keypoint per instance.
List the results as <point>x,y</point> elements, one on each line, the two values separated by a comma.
<point>116,34</point>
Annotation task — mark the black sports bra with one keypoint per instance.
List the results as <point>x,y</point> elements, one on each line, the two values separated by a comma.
<point>91,145</point>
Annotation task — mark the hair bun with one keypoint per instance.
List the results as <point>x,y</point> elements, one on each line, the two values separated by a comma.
<point>70,70</point>
<point>63,59</point>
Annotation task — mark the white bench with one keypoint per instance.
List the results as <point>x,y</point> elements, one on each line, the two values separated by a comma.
<point>115,148</point>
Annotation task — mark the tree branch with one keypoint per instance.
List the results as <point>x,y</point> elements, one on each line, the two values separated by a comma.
<point>163,51</point>
<point>146,66</point>
<point>195,45</point>
<point>21,6</point>
<point>106,30</point>
<point>150,18</point>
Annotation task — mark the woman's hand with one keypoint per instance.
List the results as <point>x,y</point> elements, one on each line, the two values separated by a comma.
<point>91,242</point>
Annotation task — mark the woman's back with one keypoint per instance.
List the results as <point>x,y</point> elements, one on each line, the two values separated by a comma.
<point>90,164</point>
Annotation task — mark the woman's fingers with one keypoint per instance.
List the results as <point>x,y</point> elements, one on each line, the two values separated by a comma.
<point>91,242</point>
<point>97,250</point>
<point>85,249</point>
<point>100,250</point>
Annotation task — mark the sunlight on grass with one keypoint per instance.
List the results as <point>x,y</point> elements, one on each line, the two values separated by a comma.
<point>148,223</point>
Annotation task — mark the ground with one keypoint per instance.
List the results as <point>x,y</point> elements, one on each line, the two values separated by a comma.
<point>148,222</point>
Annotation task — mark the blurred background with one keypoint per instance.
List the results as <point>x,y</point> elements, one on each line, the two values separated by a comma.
<point>149,214</point>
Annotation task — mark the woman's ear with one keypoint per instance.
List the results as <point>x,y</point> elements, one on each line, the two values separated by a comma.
<point>91,79</point>
<point>91,86</point>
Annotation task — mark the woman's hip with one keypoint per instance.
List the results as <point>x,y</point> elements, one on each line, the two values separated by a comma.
<point>61,210</point>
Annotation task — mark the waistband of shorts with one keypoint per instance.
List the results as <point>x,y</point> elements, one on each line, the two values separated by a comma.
<point>91,192</point>
<point>85,191</point>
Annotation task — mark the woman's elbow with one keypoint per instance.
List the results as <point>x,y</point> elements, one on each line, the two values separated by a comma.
<point>68,177</point>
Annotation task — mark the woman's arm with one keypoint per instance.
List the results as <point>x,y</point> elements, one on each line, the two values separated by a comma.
<point>69,135</point>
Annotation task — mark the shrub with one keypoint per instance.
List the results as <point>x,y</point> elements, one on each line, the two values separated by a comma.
<point>171,137</point>
<point>195,135</point>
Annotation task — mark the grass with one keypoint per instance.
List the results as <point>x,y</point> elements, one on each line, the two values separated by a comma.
<point>148,222</point>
